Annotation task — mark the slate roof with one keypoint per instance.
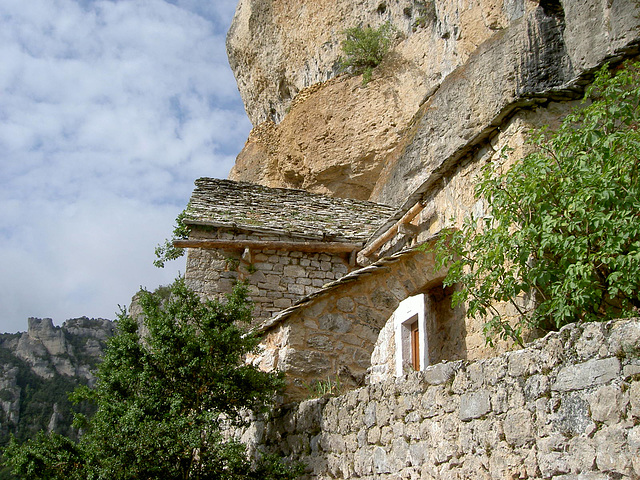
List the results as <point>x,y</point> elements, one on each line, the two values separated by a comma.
<point>297,213</point>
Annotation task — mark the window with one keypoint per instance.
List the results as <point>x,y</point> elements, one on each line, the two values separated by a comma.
<point>415,346</point>
<point>410,331</point>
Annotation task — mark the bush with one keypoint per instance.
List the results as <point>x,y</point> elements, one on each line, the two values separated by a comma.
<point>364,49</point>
<point>162,399</point>
<point>564,228</point>
<point>166,251</point>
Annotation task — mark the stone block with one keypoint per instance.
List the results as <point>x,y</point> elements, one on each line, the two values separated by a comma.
<point>581,452</point>
<point>611,450</point>
<point>282,303</point>
<point>625,339</point>
<point>518,428</point>
<point>474,405</point>
<point>383,300</point>
<point>440,373</point>
<point>587,374</point>
<point>572,418</point>
<point>263,266</point>
<point>630,370</point>
<point>606,404</point>
<point>373,435</point>
<point>591,340</point>
<point>296,289</point>
<point>334,323</point>
<point>320,342</point>
<point>369,418</point>
<point>345,304</point>
<point>294,271</point>
<point>400,453</point>
<point>417,453</point>
<point>381,463</point>
<point>535,387</point>
<point>272,279</point>
<point>583,476</point>
<point>340,269</point>
<point>634,399</point>
<point>633,440</point>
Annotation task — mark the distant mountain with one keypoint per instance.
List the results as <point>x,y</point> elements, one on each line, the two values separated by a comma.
<point>39,368</point>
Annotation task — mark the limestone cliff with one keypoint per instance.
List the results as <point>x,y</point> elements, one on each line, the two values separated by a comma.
<point>41,366</point>
<point>457,71</point>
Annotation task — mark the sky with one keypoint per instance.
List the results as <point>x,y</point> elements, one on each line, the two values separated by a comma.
<point>109,110</point>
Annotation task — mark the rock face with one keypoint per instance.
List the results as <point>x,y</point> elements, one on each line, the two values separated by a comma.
<point>457,71</point>
<point>38,369</point>
<point>71,350</point>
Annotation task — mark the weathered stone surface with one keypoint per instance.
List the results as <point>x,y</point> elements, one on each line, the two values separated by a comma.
<point>72,350</point>
<point>572,417</point>
<point>474,63</point>
<point>410,428</point>
<point>474,405</point>
<point>440,373</point>
<point>588,374</point>
<point>606,404</point>
<point>518,427</point>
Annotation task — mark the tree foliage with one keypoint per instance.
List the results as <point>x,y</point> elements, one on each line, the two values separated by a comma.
<point>562,241</point>
<point>364,49</point>
<point>166,251</point>
<point>162,397</point>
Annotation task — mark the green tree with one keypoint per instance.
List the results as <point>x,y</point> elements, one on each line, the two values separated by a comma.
<point>166,251</point>
<point>364,49</point>
<point>562,241</point>
<point>162,398</point>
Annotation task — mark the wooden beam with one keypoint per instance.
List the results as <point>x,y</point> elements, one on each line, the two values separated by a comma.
<point>326,247</point>
<point>389,234</point>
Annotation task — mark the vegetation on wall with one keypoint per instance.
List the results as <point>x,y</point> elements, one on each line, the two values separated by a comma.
<point>364,49</point>
<point>162,399</point>
<point>166,251</point>
<point>561,242</point>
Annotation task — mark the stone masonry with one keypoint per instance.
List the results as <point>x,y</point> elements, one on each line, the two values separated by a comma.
<point>276,278</point>
<point>566,407</point>
<point>284,243</point>
<point>334,331</point>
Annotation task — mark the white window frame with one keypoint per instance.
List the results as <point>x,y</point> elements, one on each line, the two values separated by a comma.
<point>410,309</point>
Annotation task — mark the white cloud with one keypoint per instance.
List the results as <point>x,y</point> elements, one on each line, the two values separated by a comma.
<point>109,112</point>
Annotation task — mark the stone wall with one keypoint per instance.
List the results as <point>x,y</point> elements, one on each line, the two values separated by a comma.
<point>450,197</point>
<point>334,332</point>
<point>276,278</point>
<point>567,407</point>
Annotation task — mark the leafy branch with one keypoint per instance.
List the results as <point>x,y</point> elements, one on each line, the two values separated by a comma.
<point>562,241</point>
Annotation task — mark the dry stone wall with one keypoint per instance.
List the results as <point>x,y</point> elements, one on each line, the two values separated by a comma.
<point>567,407</point>
<point>276,278</point>
<point>333,332</point>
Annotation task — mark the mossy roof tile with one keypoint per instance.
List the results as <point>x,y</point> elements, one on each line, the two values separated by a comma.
<point>297,213</point>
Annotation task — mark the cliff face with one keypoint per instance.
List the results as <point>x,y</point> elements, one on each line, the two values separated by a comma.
<point>457,71</point>
<point>41,366</point>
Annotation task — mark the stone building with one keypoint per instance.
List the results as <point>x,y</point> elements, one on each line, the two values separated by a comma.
<point>339,285</point>
<point>284,243</point>
<point>322,313</point>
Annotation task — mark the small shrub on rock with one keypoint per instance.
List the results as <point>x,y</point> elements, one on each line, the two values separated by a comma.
<point>364,49</point>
